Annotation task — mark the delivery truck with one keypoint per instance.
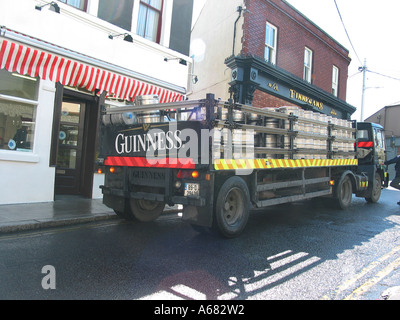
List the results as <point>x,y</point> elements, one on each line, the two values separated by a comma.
<point>219,160</point>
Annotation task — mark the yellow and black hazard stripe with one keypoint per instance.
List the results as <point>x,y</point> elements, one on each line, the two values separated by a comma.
<point>238,164</point>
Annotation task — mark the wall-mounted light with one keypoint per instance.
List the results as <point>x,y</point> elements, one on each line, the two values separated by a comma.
<point>53,7</point>
<point>194,79</point>
<point>3,31</point>
<point>181,61</point>
<point>127,36</point>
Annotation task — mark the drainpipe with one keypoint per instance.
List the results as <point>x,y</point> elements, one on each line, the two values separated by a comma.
<point>239,9</point>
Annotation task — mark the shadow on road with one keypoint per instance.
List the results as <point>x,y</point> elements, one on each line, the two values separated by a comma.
<point>279,245</point>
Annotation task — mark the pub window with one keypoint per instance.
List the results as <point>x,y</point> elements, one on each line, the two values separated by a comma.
<point>270,43</point>
<point>335,81</point>
<point>118,12</point>
<point>18,101</point>
<point>308,56</point>
<point>80,4</point>
<point>149,20</point>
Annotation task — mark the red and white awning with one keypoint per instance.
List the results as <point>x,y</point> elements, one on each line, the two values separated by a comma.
<point>25,60</point>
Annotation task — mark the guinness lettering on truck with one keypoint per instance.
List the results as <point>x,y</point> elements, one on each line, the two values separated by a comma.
<point>220,159</point>
<point>158,140</point>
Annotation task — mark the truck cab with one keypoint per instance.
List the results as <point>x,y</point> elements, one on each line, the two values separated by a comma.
<point>371,143</point>
<point>371,154</point>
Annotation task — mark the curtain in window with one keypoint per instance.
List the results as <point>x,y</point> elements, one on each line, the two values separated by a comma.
<point>76,3</point>
<point>80,4</point>
<point>152,25</point>
<point>149,16</point>
<point>141,27</point>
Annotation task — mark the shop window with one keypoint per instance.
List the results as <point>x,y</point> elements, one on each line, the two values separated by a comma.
<point>16,85</point>
<point>335,81</point>
<point>270,43</point>
<point>80,4</point>
<point>149,20</point>
<point>118,12</point>
<point>308,56</point>
<point>18,95</point>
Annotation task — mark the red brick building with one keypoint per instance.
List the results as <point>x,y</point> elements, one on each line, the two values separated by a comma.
<point>279,57</point>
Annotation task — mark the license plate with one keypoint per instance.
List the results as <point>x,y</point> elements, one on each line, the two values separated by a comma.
<point>192,189</point>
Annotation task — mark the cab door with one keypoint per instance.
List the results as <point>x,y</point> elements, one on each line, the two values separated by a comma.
<point>379,139</point>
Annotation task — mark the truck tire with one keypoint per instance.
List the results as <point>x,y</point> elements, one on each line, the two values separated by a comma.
<point>146,210</point>
<point>376,191</point>
<point>344,192</point>
<point>232,208</point>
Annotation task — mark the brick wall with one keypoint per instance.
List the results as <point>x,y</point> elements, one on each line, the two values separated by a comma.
<point>295,32</point>
<point>265,100</point>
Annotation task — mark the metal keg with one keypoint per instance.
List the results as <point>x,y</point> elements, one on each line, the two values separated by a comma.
<point>237,143</point>
<point>309,129</point>
<point>252,118</point>
<point>147,117</point>
<point>217,146</point>
<point>271,140</point>
<point>123,118</point>
<point>146,99</point>
<point>237,114</point>
<point>127,118</point>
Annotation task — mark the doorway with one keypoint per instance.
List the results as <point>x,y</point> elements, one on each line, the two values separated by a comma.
<point>69,151</point>
<point>74,141</point>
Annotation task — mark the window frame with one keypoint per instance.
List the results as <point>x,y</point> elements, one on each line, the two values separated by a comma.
<point>307,70</point>
<point>85,5</point>
<point>268,46</point>
<point>34,104</point>
<point>160,17</point>
<point>335,82</point>
<point>21,153</point>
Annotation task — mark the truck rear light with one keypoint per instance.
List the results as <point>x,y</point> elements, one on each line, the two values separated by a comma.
<point>184,174</point>
<point>195,174</point>
<point>365,144</point>
<point>115,169</point>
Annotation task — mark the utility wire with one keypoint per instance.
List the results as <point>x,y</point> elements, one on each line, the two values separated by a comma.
<point>348,37</point>
<point>383,75</point>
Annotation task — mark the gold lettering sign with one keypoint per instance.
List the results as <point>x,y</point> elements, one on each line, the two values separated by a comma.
<point>301,97</point>
<point>273,86</point>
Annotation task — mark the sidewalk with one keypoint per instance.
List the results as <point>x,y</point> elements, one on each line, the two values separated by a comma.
<point>65,210</point>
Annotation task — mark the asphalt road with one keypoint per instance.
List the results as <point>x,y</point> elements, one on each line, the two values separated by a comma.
<point>302,251</point>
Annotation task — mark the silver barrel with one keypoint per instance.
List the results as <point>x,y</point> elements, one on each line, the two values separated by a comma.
<point>147,117</point>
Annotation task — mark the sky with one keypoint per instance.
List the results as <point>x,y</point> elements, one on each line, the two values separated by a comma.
<point>373,28</point>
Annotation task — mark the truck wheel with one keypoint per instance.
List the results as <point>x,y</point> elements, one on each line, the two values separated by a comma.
<point>232,207</point>
<point>376,191</point>
<point>146,210</point>
<point>344,192</point>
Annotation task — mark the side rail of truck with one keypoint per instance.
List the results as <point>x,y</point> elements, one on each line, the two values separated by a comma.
<point>219,160</point>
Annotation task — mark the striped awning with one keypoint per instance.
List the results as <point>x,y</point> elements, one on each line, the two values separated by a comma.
<point>26,60</point>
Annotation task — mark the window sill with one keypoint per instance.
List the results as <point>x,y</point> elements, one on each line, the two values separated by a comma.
<point>19,156</point>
